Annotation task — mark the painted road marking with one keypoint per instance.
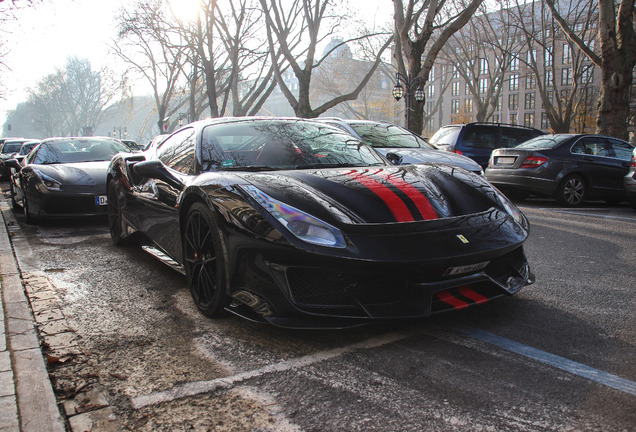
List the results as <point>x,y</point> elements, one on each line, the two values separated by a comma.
<point>200,387</point>
<point>556,361</point>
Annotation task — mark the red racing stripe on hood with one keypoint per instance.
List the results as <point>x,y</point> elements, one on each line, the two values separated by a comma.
<point>419,199</point>
<point>393,202</point>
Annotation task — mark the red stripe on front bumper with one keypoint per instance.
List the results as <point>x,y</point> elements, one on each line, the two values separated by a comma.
<point>450,299</point>
<point>468,292</point>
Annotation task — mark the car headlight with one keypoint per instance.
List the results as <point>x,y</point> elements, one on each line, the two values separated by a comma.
<point>513,211</point>
<point>304,226</point>
<point>48,181</point>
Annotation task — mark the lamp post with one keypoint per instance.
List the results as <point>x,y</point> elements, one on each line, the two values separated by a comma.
<point>183,116</point>
<point>409,84</point>
<point>120,132</point>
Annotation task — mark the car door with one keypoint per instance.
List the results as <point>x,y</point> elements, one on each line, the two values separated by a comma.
<point>157,199</point>
<point>621,153</point>
<point>596,160</point>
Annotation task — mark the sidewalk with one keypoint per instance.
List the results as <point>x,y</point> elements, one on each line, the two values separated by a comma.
<point>27,401</point>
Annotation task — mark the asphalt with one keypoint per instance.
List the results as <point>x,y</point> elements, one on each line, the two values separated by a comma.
<point>27,400</point>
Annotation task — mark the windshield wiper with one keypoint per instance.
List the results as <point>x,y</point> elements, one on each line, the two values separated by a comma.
<point>250,168</point>
<point>328,165</point>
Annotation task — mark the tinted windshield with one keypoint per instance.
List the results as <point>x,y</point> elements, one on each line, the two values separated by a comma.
<point>78,150</point>
<point>10,147</point>
<point>544,142</point>
<point>282,144</point>
<point>388,136</point>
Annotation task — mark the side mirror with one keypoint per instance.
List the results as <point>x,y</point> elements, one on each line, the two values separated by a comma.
<point>157,170</point>
<point>394,158</point>
<point>13,163</point>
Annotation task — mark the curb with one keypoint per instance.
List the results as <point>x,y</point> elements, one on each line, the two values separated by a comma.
<point>33,406</point>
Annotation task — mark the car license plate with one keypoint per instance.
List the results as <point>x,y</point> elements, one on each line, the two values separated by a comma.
<point>506,160</point>
<point>101,200</point>
<point>466,269</point>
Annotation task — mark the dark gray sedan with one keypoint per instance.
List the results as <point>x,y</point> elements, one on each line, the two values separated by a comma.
<point>568,167</point>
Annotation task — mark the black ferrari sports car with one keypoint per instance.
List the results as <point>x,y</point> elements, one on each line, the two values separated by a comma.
<point>301,224</point>
<point>64,177</point>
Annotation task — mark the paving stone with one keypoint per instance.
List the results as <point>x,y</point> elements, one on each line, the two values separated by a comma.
<point>48,314</point>
<point>5,361</point>
<point>6,384</point>
<point>53,327</point>
<point>9,414</point>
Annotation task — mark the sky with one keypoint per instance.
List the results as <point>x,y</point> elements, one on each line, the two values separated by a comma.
<point>43,37</point>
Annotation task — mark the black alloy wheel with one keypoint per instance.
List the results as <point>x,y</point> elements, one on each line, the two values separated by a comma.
<point>204,261</point>
<point>28,217</point>
<point>113,194</point>
<point>14,203</point>
<point>571,191</point>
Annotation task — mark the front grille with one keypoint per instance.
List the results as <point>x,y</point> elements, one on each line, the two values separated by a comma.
<point>315,287</point>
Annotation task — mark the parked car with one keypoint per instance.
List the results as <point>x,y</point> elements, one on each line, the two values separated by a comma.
<point>64,177</point>
<point>630,181</point>
<point>478,140</point>
<point>156,141</point>
<point>297,223</point>
<point>400,146</point>
<point>8,150</point>
<point>568,167</point>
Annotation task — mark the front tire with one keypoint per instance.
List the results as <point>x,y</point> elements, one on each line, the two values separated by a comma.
<point>571,191</point>
<point>28,217</point>
<point>114,214</point>
<point>204,261</point>
<point>14,203</point>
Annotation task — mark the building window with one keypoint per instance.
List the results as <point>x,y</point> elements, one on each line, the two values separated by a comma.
<point>514,82</point>
<point>566,76</point>
<point>566,55</point>
<point>468,105</point>
<point>455,88</point>
<point>587,76</point>
<point>454,106</point>
<point>514,63</point>
<point>513,118</point>
<point>499,103</point>
<point>529,101</point>
<point>547,56</point>
<point>455,72</point>
<point>531,56</point>
<point>483,85</point>
<point>549,78</point>
<point>430,91</point>
<point>467,89</point>
<point>545,124</point>
<point>483,66</point>
<point>495,118</point>
<point>528,119</point>
<point>531,81</point>
<point>513,101</point>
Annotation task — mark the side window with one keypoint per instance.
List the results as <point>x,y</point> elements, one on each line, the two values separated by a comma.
<point>445,136</point>
<point>591,146</point>
<point>177,152</point>
<point>481,137</point>
<point>622,150</point>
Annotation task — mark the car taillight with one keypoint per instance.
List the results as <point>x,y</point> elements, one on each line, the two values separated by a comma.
<point>459,152</point>
<point>633,163</point>
<point>533,162</point>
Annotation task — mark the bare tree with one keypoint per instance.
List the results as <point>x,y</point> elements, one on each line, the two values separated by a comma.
<point>481,53</point>
<point>154,49</point>
<point>416,24</point>
<point>72,99</point>
<point>302,25</point>
<point>617,37</point>
<point>555,64</point>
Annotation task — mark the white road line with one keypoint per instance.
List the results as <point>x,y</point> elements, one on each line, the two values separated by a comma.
<point>199,387</point>
<point>562,363</point>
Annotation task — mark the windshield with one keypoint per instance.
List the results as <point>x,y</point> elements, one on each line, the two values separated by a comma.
<point>78,150</point>
<point>282,144</point>
<point>388,136</point>
<point>445,136</point>
<point>544,142</point>
<point>10,147</point>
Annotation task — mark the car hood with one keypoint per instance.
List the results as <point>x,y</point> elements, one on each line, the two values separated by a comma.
<point>414,155</point>
<point>388,194</point>
<point>77,173</point>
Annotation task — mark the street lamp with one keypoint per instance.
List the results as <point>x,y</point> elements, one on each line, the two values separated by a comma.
<point>398,92</point>
<point>183,116</point>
